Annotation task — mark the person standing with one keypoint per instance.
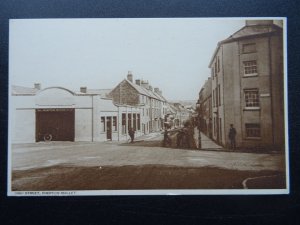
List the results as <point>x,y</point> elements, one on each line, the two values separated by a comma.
<point>131,134</point>
<point>231,135</point>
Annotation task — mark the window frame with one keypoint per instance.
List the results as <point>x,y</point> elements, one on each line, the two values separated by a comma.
<point>253,107</point>
<point>253,128</point>
<point>245,67</point>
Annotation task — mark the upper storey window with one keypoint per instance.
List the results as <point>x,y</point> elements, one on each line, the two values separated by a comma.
<point>250,68</point>
<point>249,48</point>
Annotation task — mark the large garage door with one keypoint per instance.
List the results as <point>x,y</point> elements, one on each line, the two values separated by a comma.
<point>55,124</point>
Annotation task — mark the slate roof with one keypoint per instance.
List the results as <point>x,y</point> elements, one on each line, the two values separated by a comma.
<point>144,91</point>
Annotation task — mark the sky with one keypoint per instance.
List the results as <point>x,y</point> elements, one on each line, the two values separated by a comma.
<point>172,54</point>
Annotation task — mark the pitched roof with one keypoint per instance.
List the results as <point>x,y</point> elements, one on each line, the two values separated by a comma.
<point>247,31</point>
<point>144,91</point>
<point>253,30</point>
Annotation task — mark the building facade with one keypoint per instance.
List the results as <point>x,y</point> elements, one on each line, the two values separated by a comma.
<point>141,94</point>
<point>248,86</point>
<point>205,108</point>
<point>59,114</point>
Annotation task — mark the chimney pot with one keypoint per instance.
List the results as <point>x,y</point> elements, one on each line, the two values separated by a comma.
<point>83,89</point>
<point>37,86</point>
<point>129,76</point>
<point>138,82</point>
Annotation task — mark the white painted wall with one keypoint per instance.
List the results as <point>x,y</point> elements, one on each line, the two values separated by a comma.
<point>23,126</point>
<point>83,125</point>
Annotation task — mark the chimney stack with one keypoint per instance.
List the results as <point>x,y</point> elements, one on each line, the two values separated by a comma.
<point>150,88</point>
<point>145,84</point>
<point>37,86</point>
<point>129,76</point>
<point>258,22</point>
<point>83,89</point>
<point>138,82</point>
<point>156,90</point>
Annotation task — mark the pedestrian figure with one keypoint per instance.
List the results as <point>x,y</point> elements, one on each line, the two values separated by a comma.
<point>167,139</point>
<point>131,134</point>
<point>231,135</point>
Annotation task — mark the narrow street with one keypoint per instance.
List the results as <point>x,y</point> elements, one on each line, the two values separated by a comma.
<point>144,164</point>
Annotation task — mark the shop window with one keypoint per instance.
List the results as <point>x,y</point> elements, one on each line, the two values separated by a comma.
<point>138,121</point>
<point>102,124</point>
<point>114,123</point>
<point>134,121</point>
<point>123,123</point>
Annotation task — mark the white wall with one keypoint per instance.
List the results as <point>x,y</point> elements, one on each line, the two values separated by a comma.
<point>23,126</point>
<point>83,125</point>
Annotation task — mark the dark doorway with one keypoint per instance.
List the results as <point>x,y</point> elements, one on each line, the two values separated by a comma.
<point>108,128</point>
<point>55,124</point>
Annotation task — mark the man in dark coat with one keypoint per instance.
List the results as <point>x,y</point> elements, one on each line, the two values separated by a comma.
<point>131,134</point>
<point>231,135</point>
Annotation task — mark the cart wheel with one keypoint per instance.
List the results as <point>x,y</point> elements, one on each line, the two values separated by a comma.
<point>47,137</point>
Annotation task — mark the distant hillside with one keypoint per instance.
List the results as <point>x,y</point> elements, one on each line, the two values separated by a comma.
<point>185,102</point>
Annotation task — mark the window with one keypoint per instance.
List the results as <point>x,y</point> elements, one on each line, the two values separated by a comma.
<point>218,63</point>
<point>212,73</point>
<point>219,94</point>
<point>213,98</point>
<point>220,128</point>
<point>251,98</point>
<point>102,124</point>
<point>250,68</point>
<point>252,130</point>
<point>216,68</point>
<point>129,121</point>
<point>134,121</point>
<point>138,122</point>
<point>114,123</point>
<point>123,123</point>
<point>248,48</point>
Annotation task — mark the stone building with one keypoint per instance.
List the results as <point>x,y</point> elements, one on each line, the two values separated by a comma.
<point>247,86</point>
<point>141,94</point>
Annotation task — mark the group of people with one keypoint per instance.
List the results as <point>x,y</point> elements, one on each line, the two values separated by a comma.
<point>185,137</point>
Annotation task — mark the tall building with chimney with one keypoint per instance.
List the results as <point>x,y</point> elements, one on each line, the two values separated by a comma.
<point>248,86</point>
<point>140,93</point>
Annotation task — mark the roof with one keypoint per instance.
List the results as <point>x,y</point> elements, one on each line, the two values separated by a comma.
<point>101,92</point>
<point>144,91</point>
<point>20,90</point>
<point>253,30</point>
<point>248,31</point>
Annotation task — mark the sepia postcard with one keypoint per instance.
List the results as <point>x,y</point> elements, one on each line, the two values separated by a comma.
<point>148,106</point>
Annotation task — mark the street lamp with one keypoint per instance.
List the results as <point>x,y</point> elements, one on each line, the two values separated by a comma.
<point>198,105</point>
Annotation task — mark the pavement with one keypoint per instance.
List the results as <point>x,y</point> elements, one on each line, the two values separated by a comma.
<point>206,142</point>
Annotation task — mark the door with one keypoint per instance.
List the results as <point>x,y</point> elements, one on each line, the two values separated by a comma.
<point>108,128</point>
<point>55,124</point>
